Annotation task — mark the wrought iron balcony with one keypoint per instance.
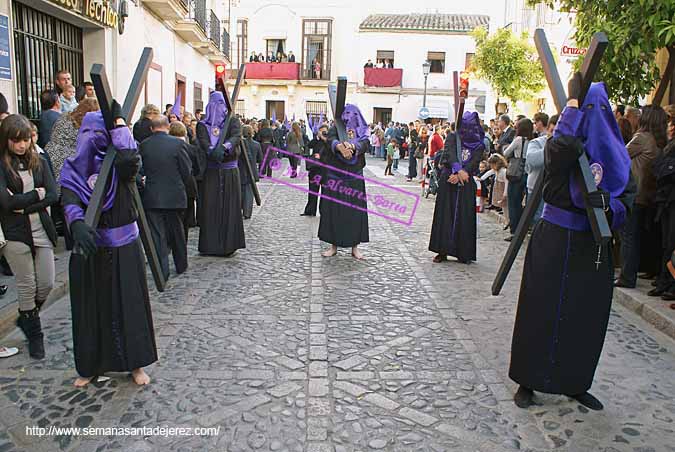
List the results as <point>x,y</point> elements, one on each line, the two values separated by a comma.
<point>214,29</point>
<point>198,13</point>
<point>225,44</point>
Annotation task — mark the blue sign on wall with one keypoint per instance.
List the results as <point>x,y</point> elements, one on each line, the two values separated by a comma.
<point>5,59</point>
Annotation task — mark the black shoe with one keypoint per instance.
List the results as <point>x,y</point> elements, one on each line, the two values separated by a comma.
<point>523,397</point>
<point>4,267</point>
<point>648,276</point>
<point>29,322</point>
<point>623,283</point>
<point>668,296</point>
<point>508,239</point>
<point>305,214</point>
<point>656,292</point>
<point>508,225</point>
<point>587,400</point>
<point>3,289</point>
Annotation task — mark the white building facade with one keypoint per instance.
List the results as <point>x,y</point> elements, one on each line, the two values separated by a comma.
<point>341,38</point>
<point>46,36</point>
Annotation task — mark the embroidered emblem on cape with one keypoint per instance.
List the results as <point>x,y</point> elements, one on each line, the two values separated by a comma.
<point>465,155</point>
<point>215,131</point>
<point>92,180</point>
<point>597,171</point>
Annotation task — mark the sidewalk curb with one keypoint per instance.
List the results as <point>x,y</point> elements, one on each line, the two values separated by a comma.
<point>651,309</point>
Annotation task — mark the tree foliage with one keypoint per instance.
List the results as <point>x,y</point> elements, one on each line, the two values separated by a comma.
<point>508,63</point>
<point>636,29</point>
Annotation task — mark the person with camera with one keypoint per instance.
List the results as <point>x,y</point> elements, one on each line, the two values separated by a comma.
<point>318,146</point>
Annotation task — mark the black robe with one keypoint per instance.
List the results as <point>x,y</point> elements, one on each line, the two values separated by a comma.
<point>453,231</point>
<point>111,316</point>
<point>564,301</point>
<point>221,224</point>
<point>343,225</point>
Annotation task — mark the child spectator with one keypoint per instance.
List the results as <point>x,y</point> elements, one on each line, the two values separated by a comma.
<point>390,157</point>
<point>68,100</point>
<point>397,155</point>
<point>497,168</point>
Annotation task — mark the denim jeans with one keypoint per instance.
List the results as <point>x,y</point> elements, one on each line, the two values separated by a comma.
<point>515,192</point>
<point>630,245</point>
<point>540,208</point>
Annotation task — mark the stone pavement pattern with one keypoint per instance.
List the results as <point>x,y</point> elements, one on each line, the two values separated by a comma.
<point>289,351</point>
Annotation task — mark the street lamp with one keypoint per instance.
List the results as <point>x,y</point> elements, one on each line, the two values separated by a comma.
<point>426,68</point>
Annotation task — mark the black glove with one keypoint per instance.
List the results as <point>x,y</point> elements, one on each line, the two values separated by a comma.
<point>574,86</point>
<point>598,199</point>
<point>218,154</point>
<point>83,236</point>
<point>127,164</point>
<point>116,111</point>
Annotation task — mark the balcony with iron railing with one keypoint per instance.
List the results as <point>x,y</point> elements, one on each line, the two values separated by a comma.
<point>201,29</point>
<point>168,9</point>
<point>225,44</point>
<point>198,13</point>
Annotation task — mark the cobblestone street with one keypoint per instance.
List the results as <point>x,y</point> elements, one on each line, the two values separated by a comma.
<point>289,351</point>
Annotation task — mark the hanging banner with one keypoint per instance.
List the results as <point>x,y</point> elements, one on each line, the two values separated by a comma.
<point>5,59</point>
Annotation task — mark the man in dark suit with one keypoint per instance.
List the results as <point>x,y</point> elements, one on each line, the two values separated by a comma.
<point>51,110</point>
<point>508,133</point>
<point>167,170</point>
<point>319,147</point>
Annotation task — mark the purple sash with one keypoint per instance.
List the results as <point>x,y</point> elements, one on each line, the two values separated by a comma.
<point>565,218</point>
<point>225,165</point>
<point>117,237</point>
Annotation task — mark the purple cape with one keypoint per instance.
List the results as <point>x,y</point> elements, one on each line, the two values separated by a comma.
<point>80,171</point>
<point>216,112</point>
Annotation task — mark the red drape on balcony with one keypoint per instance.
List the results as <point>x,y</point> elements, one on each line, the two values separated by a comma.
<point>273,71</point>
<point>381,77</point>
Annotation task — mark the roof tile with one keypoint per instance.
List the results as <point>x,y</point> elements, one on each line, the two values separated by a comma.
<point>462,23</point>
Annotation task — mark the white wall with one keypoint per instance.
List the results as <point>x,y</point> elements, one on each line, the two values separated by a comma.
<point>350,49</point>
<point>170,52</point>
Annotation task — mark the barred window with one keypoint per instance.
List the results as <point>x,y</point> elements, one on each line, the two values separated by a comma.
<point>316,109</point>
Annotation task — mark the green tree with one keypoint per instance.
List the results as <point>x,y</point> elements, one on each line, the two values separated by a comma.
<point>636,30</point>
<point>508,63</point>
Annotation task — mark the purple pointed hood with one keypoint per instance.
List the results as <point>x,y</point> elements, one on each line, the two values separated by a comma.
<point>176,105</point>
<point>80,171</point>
<point>355,121</point>
<point>471,133</point>
<point>604,146</point>
<point>216,113</point>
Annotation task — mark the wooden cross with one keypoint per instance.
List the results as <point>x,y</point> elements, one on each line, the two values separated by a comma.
<point>459,112</point>
<point>231,102</point>
<point>596,216</point>
<point>338,96</point>
<point>105,98</point>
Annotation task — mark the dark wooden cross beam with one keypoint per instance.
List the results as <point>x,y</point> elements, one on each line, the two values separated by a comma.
<point>93,213</point>
<point>596,216</point>
<point>338,96</point>
<point>459,112</point>
<point>231,103</point>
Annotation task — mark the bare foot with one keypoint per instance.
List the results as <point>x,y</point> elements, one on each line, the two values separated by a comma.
<point>356,254</point>
<point>81,382</point>
<point>332,251</point>
<point>140,377</point>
